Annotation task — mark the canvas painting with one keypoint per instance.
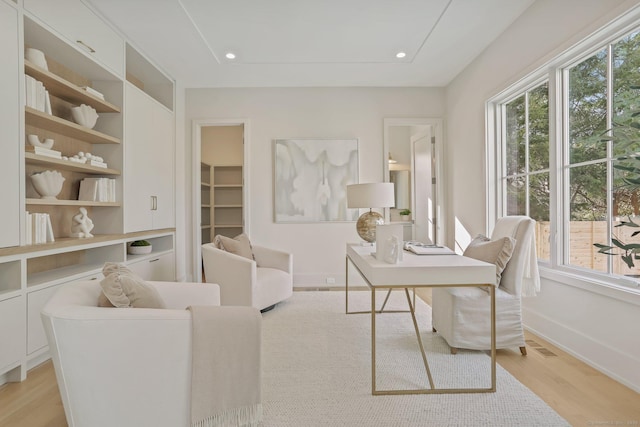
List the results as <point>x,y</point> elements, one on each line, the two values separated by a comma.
<point>311,178</point>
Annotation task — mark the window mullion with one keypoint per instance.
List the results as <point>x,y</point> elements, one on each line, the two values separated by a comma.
<point>609,125</point>
<point>526,153</point>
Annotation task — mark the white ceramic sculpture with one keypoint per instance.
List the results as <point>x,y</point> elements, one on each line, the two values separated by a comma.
<point>84,115</point>
<point>35,141</point>
<point>48,184</point>
<point>81,225</point>
<point>36,57</point>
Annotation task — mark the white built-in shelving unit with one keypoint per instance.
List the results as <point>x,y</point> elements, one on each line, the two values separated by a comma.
<point>81,51</point>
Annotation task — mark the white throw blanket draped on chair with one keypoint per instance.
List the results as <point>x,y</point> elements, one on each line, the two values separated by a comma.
<point>226,370</point>
<point>531,276</point>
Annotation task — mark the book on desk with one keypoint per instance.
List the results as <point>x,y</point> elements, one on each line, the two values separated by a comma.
<point>420,249</point>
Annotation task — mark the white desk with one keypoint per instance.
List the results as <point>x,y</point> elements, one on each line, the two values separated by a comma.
<point>416,271</point>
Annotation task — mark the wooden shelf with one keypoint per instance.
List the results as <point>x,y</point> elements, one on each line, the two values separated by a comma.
<point>34,159</point>
<point>228,226</point>
<point>64,127</point>
<point>66,90</point>
<point>227,186</point>
<point>227,206</point>
<point>205,206</point>
<point>56,202</point>
<point>205,185</point>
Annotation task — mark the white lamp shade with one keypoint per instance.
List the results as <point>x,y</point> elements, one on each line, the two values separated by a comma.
<point>374,195</point>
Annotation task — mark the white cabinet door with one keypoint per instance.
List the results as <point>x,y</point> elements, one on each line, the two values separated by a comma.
<point>12,331</point>
<point>139,160</point>
<point>160,268</point>
<point>164,176</point>
<point>83,29</point>
<point>9,118</point>
<point>149,163</point>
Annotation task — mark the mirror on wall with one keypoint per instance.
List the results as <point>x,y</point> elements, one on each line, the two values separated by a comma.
<point>411,163</point>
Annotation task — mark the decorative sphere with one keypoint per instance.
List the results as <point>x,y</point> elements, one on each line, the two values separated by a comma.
<point>366,225</point>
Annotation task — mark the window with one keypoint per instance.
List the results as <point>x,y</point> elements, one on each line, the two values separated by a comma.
<point>580,178</point>
<point>525,184</point>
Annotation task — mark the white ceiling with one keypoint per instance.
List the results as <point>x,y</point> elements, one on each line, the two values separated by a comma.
<point>311,42</point>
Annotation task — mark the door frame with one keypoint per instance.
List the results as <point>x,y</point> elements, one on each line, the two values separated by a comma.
<point>196,136</point>
<point>437,132</point>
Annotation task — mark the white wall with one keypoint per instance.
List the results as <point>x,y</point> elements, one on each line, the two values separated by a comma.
<point>318,249</point>
<point>600,329</point>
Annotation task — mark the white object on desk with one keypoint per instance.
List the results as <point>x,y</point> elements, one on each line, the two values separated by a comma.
<point>383,234</point>
<point>429,250</point>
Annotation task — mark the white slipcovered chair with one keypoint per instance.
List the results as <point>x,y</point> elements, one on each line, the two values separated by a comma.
<point>462,315</point>
<point>131,366</point>
<point>259,283</point>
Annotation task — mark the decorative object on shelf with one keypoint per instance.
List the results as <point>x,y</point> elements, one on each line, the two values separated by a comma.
<point>36,95</point>
<point>372,195</point>
<point>404,214</point>
<point>38,228</point>
<point>87,158</point>
<point>34,140</point>
<point>48,184</point>
<point>84,115</point>
<point>36,57</point>
<point>97,190</point>
<point>139,247</point>
<point>93,92</point>
<point>81,225</point>
<point>310,178</point>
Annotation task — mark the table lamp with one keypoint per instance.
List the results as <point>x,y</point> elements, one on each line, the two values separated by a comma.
<point>374,195</point>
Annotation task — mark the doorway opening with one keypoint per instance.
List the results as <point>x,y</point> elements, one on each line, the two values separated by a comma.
<point>220,174</point>
<point>412,161</point>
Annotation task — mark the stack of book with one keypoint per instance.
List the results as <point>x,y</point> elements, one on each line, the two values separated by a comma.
<point>36,95</point>
<point>97,190</point>
<point>41,151</point>
<point>38,228</point>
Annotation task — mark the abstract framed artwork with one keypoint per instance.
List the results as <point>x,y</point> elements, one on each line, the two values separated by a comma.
<point>311,178</point>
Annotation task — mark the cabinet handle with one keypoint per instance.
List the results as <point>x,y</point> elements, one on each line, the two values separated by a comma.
<point>154,260</point>
<point>155,203</point>
<point>89,48</point>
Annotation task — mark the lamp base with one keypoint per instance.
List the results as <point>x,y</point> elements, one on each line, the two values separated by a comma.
<point>366,225</point>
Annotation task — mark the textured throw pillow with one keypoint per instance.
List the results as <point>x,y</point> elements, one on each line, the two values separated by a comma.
<point>239,245</point>
<point>122,288</point>
<point>496,252</point>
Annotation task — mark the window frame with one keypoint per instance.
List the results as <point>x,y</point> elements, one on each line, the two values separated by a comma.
<point>555,72</point>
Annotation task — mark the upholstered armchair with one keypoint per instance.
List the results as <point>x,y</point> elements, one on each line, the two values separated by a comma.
<point>133,366</point>
<point>261,282</point>
<point>462,315</point>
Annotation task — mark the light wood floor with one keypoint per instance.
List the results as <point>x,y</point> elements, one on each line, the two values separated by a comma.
<point>579,393</point>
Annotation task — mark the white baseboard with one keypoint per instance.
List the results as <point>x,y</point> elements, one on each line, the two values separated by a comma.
<point>619,366</point>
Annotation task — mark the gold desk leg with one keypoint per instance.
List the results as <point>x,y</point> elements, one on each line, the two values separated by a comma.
<point>492,291</point>
<point>385,300</point>
<point>415,326</point>
<point>346,284</point>
<point>373,342</point>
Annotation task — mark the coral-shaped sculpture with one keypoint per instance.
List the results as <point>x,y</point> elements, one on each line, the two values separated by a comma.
<point>48,184</point>
<point>84,115</point>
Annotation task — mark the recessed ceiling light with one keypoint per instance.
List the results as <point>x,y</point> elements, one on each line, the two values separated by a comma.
<point>230,55</point>
<point>400,55</point>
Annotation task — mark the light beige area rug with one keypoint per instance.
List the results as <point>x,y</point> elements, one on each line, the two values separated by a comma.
<point>317,370</point>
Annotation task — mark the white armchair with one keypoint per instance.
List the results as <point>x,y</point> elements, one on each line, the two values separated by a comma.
<point>261,283</point>
<point>462,315</point>
<point>128,366</point>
